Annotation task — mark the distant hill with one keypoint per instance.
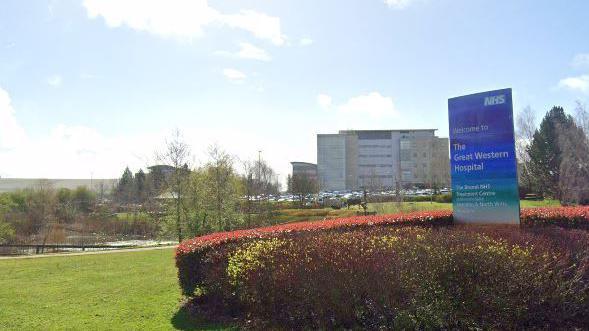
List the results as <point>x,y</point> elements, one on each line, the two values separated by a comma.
<point>13,184</point>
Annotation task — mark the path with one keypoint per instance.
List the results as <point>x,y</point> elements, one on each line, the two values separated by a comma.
<point>124,250</point>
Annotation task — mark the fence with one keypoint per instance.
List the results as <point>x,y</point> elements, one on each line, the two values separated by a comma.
<point>40,248</point>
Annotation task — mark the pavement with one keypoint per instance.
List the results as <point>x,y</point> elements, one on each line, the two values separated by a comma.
<point>110,251</point>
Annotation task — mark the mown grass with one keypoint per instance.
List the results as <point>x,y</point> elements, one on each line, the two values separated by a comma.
<point>312,214</point>
<point>295,215</point>
<point>542,203</point>
<point>117,291</point>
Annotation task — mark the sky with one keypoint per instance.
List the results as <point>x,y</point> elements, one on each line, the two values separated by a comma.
<point>88,87</point>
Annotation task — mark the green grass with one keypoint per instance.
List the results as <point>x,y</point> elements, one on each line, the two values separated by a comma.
<point>295,215</point>
<point>118,291</point>
<point>393,207</point>
<point>543,203</point>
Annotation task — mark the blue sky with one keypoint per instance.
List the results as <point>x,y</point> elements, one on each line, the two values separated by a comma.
<point>87,87</point>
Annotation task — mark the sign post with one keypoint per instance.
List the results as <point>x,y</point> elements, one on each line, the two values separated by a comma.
<point>483,163</point>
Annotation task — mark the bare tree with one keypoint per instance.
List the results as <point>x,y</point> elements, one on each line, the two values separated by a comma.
<point>524,134</point>
<point>582,117</point>
<point>302,185</point>
<point>574,167</point>
<point>177,154</point>
<point>249,189</point>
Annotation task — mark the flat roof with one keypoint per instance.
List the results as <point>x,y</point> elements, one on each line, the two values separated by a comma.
<point>396,130</point>
<point>305,163</point>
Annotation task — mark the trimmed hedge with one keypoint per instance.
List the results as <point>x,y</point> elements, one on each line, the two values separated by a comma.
<point>195,257</point>
<point>565,217</point>
<point>377,272</point>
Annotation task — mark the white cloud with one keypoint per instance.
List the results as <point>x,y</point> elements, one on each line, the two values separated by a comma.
<point>324,100</point>
<point>398,4</point>
<point>182,19</point>
<point>579,83</point>
<point>66,151</point>
<point>259,24</point>
<point>80,151</point>
<point>248,51</point>
<point>54,81</point>
<point>305,41</point>
<point>581,60</point>
<point>11,134</point>
<point>373,104</point>
<point>234,75</point>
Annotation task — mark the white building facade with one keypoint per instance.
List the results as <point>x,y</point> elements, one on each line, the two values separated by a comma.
<point>381,159</point>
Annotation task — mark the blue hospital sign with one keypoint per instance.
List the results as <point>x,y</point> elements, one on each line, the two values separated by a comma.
<point>483,163</point>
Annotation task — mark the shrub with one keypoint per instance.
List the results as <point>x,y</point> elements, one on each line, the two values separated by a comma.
<point>444,198</point>
<point>376,272</point>
<point>196,256</point>
<point>423,198</point>
<point>6,232</point>
<point>566,217</point>
<point>412,278</point>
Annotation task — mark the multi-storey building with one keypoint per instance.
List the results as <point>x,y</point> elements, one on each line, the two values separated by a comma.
<point>379,159</point>
<point>309,170</point>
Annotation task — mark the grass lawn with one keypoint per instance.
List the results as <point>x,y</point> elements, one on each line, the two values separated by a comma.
<point>129,216</point>
<point>295,215</point>
<point>122,291</point>
<point>543,203</point>
<point>392,207</point>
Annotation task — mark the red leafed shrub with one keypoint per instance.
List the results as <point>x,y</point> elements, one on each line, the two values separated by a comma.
<point>466,277</point>
<point>378,272</point>
<point>566,217</point>
<point>197,258</point>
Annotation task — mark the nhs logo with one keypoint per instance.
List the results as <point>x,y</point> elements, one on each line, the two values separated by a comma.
<point>495,100</point>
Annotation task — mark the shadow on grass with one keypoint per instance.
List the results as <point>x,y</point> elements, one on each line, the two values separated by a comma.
<point>183,320</point>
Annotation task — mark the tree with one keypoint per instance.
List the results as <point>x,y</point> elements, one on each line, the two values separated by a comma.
<point>66,209</point>
<point>40,206</point>
<point>84,199</point>
<point>524,135</point>
<point>7,232</point>
<point>249,189</point>
<point>125,187</point>
<point>222,188</point>
<point>195,204</point>
<point>582,117</point>
<point>259,183</point>
<point>302,185</point>
<point>574,167</point>
<point>177,154</point>
<point>140,186</point>
<point>546,154</point>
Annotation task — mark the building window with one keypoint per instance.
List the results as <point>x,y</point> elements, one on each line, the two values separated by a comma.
<point>407,175</point>
<point>375,155</point>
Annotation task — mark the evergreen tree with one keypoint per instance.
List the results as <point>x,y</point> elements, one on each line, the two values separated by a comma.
<point>140,185</point>
<point>125,187</point>
<point>546,154</point>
